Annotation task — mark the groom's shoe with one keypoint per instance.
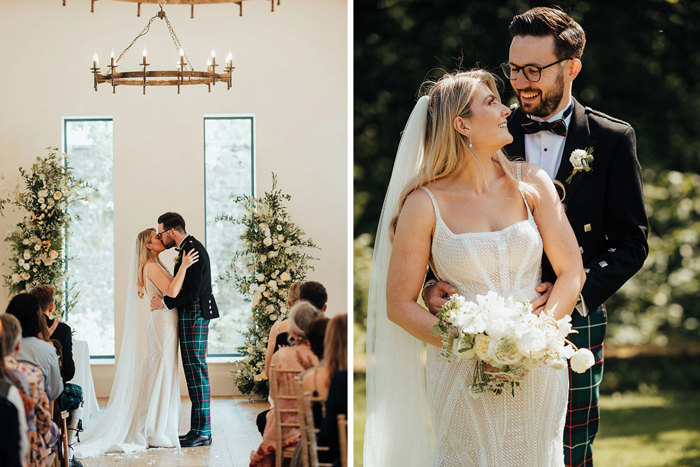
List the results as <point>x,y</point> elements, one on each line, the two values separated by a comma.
<point>186,436</point>
<point>195,441</point>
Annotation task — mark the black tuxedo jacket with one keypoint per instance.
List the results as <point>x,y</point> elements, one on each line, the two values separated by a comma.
<point>196,287</point>
<point>605,206</point>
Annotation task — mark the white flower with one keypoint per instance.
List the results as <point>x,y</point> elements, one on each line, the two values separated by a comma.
<point>582,360</point>
<point>266,294</point>
<point>272,284</point>
<point>27,254</point>
<point>558,364</point>
<point>267,233</point>
<point>16,278</point>
<point>37,247</point>
<point>270,308</point>
<point>504,352</point>
<point>273,317</point>
<point>576,158</point>
<point>53,254</point>
<point>25,241</point>
<point>41,200</point>
<point>57,195</point>
<point>258,377</point>
<point>280,238</point>
<point>481,347</point>
<point>262,258</point>
<point>43,193</point>
<point>26,266</point>
<point>285,276</point>
<point>262,227</point>
<point>267,241</point>
<point>260,278</point>
<point>25,276</point>
<point>279,228</point>
<point>531,343</point>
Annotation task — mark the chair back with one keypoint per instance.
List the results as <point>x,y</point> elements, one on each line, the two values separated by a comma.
<point>282,388</point>
<point>343,435</point>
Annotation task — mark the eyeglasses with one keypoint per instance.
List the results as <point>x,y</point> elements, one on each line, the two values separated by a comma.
<point>159,235</point>
<point>532,73</point>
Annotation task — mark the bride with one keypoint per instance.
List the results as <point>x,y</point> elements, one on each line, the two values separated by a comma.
<point>456,203</point>
<point>144,405</point>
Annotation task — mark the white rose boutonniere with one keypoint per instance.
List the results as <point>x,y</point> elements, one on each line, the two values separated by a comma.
<point>581,160</point>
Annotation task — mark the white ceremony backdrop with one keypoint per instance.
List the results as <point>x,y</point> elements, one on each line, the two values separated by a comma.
<point>291,77</point>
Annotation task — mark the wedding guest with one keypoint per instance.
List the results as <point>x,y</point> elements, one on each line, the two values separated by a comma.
<point>317,336</point>
<point>336,404</point>
<point>14,445</point>
<point>297,356</point>
<point>42,432</point>
<point>278,331</point>
<point>71,399</point>
<point>33,349</point>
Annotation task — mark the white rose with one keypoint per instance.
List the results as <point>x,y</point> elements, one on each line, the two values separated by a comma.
<point>481,347</point>
<point>576,158</point>
<point>41,200</point>
<point>261,288</point>
<point>37,247</point>
<point>20,262</point>
<point>582,360</point>
<point>43,193</point>
<point>267,233</point>
<point>273,317</point>
<point>25,276</point>
<point>279,228</point>
<point>25,241</point>
<point>263,258</point>
<point>26,266</point>
<point>27,254</point>
<point>531,343</point>
<point>50,202</point>
<point>266,294</point>
<point>260,277</point>
<point>267,241</point>
<point>263,226</point>
<point>53,254</point>
<point>285,276</point>
<point>504,352</point>
<point>57,195</point>
<point>16,278</point>
<point>258,377</point>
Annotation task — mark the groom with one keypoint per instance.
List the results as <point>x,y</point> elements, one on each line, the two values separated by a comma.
<point>196,306</point>
<point>605,205</point>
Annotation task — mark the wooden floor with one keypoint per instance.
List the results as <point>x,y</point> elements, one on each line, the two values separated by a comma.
<point>234,435</point>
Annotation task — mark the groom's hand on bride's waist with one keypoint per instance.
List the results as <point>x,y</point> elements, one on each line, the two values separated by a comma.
<point>540,302</point>
<point>156,302</point>
<point>435,295</point>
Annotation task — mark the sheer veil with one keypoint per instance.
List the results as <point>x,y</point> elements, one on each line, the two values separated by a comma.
<point>397,431</point>
<point>111,430</point>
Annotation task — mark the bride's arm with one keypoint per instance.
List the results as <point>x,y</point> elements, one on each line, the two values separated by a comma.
<point>163,282</point>
<point>560,245</point>
<point>409,260</point>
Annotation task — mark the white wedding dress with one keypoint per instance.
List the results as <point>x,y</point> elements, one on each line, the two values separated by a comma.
<point>493,430</point>
<point>144,406</point>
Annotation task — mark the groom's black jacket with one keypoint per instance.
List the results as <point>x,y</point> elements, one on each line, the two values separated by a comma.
<point>605,206</point>
<point>196,287</point>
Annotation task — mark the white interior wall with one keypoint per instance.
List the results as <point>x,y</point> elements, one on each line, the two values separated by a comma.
<point>291,74</point>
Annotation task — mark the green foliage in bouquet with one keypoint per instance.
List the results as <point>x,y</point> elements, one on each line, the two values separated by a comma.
<point>273,257</point>
<point>37,248</point>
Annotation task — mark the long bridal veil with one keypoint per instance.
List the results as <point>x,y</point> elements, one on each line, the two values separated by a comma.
<point>109,432</point>
<point>397,431</point>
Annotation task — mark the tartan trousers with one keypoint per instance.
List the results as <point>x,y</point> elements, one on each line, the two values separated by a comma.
<point>583,413</point>
<point>193,331</point>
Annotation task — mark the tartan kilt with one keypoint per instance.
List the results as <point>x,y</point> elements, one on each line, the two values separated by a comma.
<point>71,398</point>
<point>583,413</point>
<point>193,331</point>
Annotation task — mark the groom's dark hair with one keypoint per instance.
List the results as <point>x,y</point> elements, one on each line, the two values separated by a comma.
<point>569,38</point>
<point>172,220</point>
<point>314,293</point>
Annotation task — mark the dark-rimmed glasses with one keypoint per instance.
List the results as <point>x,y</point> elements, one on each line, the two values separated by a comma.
<point>159,235</point>
<point>532,73</point>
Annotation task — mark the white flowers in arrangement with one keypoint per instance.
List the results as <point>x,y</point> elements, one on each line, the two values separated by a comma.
<point>263,271</point>
<point>37,242</point>
<point>506,339</point>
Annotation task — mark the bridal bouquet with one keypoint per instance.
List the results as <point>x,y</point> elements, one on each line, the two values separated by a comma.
<point>506,339</point>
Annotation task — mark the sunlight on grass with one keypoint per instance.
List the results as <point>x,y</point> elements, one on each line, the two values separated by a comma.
<point>637,429</point>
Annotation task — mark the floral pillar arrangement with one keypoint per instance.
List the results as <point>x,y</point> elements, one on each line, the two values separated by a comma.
<point>37,244</point>
<point>272,258</point>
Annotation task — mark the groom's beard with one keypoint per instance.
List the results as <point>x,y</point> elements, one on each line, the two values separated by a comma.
<point>548,101</point>
<point>170,243</point>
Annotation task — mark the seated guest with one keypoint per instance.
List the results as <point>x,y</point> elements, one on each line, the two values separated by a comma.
<point>71,399</point>
<point>33,349</point>
<point>278,331</point>
<point>43,434</point>
<point>297,356</point>
<point>14,446</point>
<point>334,367</point>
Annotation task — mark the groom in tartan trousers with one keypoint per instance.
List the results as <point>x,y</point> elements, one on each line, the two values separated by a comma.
<point>604,205</point>
<point>196,306</point>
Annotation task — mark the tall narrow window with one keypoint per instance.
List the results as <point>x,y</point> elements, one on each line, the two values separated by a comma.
<point>229,169</point>
<point>90,252</point>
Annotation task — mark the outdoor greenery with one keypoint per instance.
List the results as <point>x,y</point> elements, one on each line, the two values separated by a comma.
<point>273,256</point>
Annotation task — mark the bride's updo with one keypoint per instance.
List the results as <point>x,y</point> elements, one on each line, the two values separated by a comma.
<point>143,239</point>
<point>446,149</point>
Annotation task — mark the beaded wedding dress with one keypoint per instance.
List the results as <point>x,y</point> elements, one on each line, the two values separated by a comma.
<point>144,406</point>
<point>493,430</point>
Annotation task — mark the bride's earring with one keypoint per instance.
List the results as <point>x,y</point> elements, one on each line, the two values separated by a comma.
<point>469,138</point>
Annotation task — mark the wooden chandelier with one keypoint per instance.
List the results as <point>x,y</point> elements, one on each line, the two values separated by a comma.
<point>191,3</point>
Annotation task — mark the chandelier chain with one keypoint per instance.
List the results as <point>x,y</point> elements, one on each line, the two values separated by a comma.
<point>173,36</point>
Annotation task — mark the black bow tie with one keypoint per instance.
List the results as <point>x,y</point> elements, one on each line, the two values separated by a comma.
<point>558,127</point>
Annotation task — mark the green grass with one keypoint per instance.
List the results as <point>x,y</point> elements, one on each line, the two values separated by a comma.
<point>641,430</point>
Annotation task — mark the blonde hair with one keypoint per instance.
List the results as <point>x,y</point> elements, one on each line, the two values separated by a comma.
<point>445,148</point>
<point>144,238</point>
<point>335,345</point>
<point>293,293</point>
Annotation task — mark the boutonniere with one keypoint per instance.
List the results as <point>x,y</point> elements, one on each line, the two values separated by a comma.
<point>581,159</point>
<point>177,259</point>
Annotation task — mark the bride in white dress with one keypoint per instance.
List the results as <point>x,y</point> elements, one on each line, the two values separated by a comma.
<point>144,405</point>
<point>455,202</point>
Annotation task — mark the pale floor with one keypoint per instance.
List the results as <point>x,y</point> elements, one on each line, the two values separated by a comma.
<point>234,435</point>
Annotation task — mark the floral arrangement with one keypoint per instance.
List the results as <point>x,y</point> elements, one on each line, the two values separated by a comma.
<point>273,257</point>
<point>45,193</point>
<point>581,160</point>
<point>506,339</point>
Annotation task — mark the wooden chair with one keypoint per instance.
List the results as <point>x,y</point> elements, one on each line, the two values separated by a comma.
<point>309,431</point>
<point>285,378</point>
<point>59,417</point>
<point>343,435</point>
